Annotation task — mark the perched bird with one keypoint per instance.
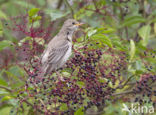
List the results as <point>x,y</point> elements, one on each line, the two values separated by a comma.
<point>59,48</point>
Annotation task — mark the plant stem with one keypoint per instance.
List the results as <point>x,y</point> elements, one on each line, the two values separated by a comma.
<point>122,86</point>
<point>3,87</point>
<point>123,93</point>
<point>71,9</point>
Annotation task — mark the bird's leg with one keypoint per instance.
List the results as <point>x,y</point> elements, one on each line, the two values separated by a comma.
<point>60,78</point>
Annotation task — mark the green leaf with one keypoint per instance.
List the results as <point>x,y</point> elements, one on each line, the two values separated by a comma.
<point>133,20</point>
<point>33,15</point>
<point>55,14</point>
<point>144,33</point>
<point>102,38</point>
<point>6,98</point>
<point>106,30</point>
<point>118,44</point>
<point>16,71</point>
<point>11,75</point>
<point>3,82</point>
<point>4,44</point>
<point>24,40</point>
<point>5,110</point>
<point>63,107</point>
<point>102,2</point>
<point>3,15</point>
<point>80,83</point>
<point>79,111</point>
<point>33,12</point>
<point>132,49</point>
<point>91,32</point>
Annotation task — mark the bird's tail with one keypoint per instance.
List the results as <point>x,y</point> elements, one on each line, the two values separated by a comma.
<point>37,75</point>
<point>40,74</point>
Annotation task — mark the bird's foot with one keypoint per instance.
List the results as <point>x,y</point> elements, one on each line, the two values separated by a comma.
<point>60,78</point>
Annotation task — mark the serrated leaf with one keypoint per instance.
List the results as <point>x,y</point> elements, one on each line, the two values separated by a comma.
<point>144,33</point>
<point>132,49</point>
<point>79,111</point>
<point>4,44</point>
<point>133,20</point>
<point>33,12</point>
<point>102,38</point>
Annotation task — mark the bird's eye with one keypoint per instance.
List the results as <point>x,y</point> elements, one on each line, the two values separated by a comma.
<point>73,23</point>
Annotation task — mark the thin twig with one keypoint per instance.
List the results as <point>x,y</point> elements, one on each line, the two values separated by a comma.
<point>3,87</point>
<point>128,92</point>
<point>94,2</point>
<point>71,9</point>
<point>123,93</point>
<point>122,86</point>
<point>59,4</point>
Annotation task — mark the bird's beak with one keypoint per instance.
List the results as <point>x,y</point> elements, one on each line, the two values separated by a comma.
<point>79,24</point>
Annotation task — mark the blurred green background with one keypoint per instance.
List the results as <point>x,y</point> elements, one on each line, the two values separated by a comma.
<point>130,26</point>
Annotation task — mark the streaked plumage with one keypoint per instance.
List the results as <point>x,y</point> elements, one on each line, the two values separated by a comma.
<point>59,48</point>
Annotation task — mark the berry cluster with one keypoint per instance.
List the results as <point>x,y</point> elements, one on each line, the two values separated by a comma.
<point>90,73</point>
<point>145,89</point>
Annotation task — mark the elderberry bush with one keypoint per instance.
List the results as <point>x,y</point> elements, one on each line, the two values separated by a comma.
<point>112,66</point>
<point>86,85</point>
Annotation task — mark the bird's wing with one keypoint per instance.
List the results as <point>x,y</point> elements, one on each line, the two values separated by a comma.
<point>58,53</point>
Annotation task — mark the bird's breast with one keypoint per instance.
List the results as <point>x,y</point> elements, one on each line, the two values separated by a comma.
<point>68,53</point>
<point>45,57</point>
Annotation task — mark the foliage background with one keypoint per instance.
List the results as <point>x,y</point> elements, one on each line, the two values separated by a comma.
<point>127,26</point>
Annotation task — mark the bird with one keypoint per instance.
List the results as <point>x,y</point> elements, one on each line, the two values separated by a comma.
<point>59,49</point>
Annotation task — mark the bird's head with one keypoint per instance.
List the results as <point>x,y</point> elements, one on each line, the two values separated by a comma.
<point>71,25</point>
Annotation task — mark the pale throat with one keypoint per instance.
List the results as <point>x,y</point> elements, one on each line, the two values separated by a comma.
<point>69,35</point>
